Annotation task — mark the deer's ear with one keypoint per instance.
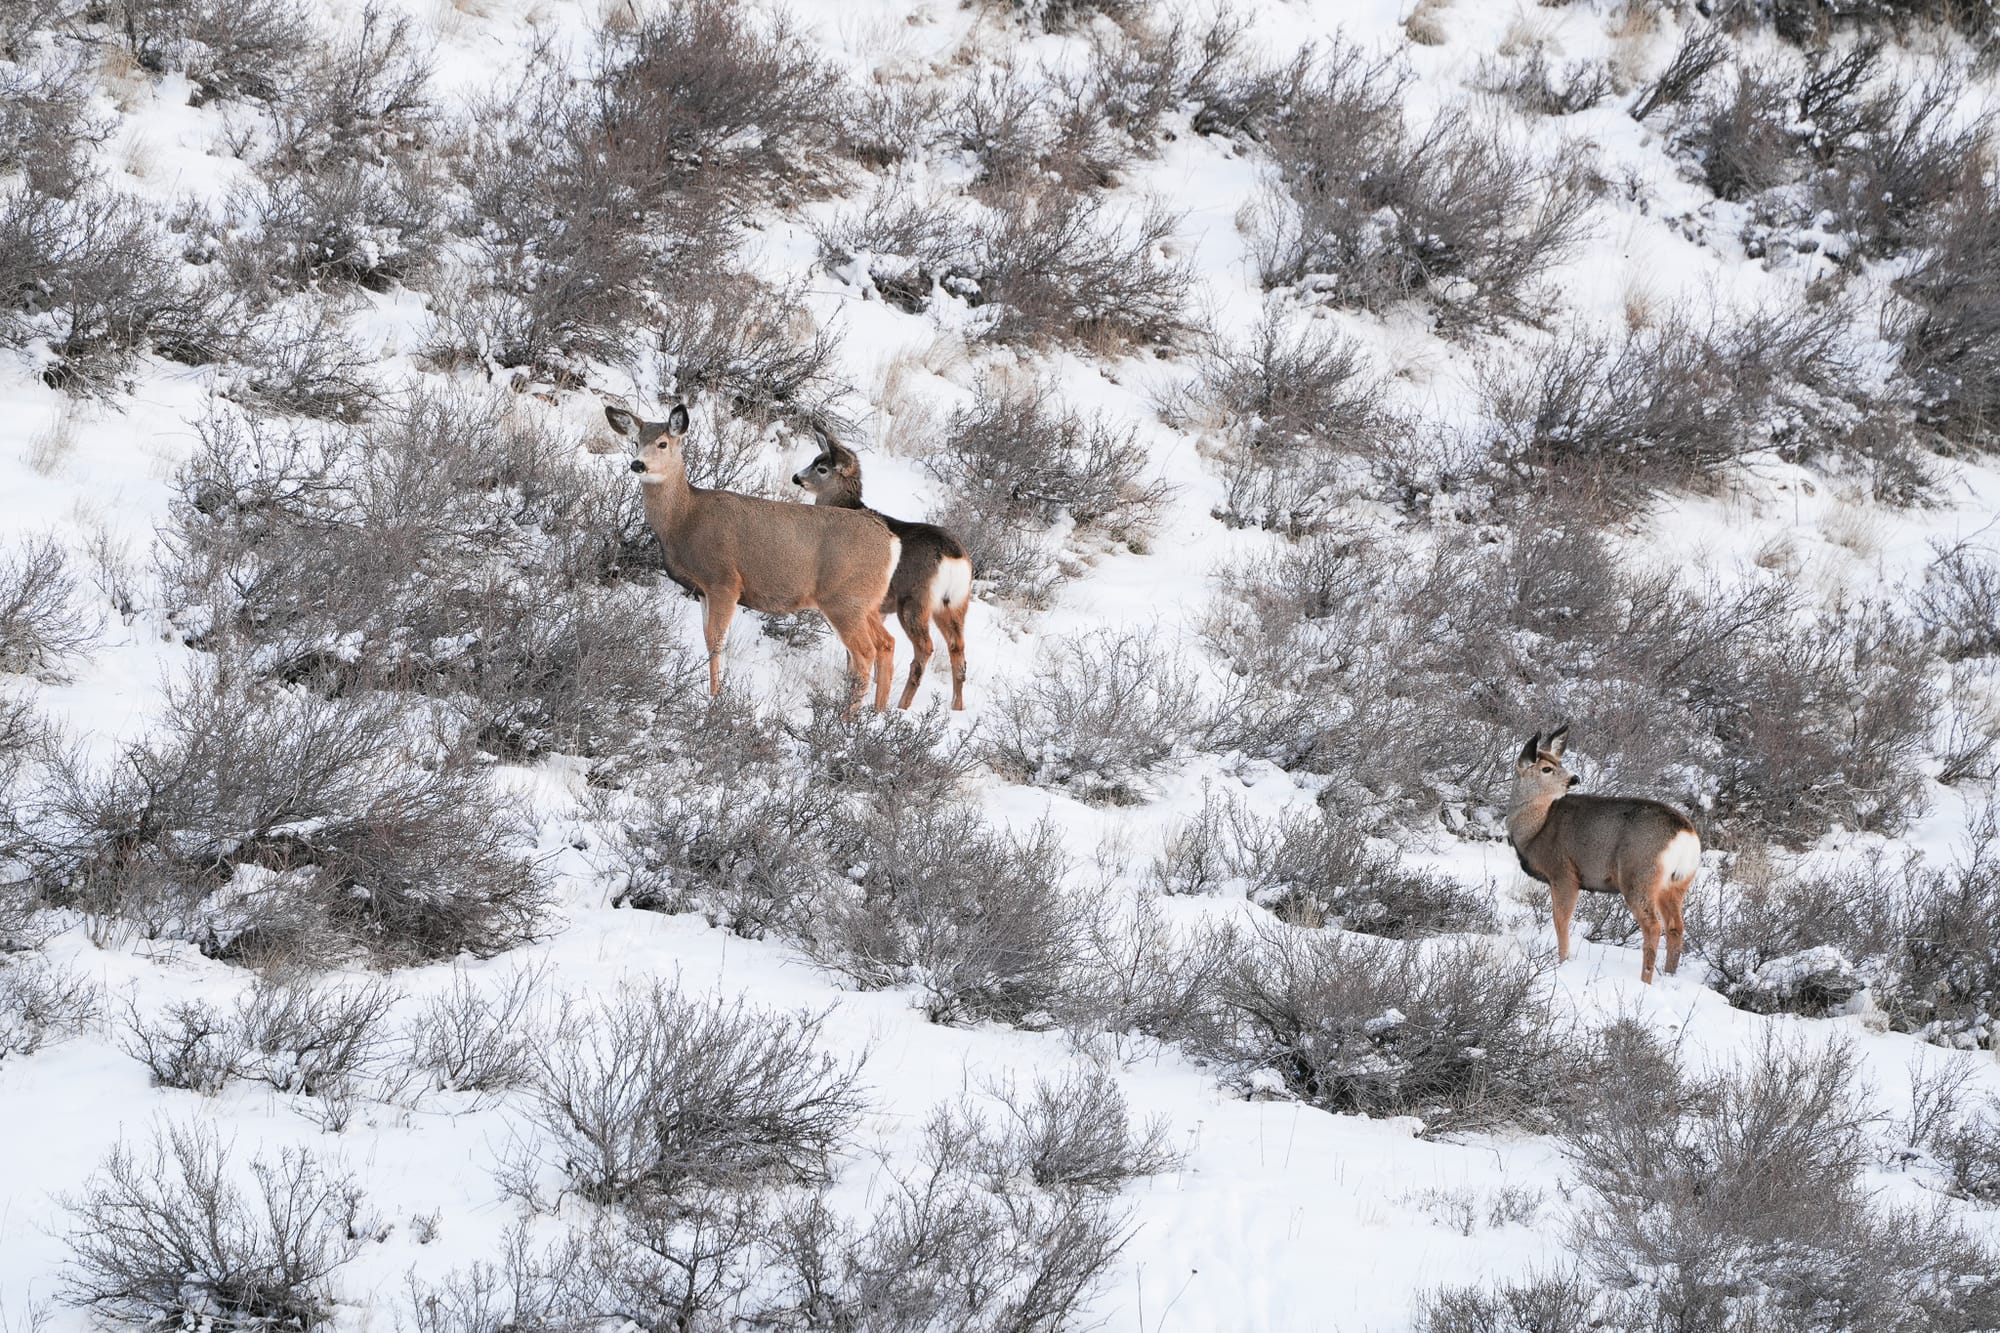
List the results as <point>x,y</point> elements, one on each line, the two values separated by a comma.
<point>820,441</point>
<point>1559,740</point>
<point>1531,749</point>
<point>621,420</point>
<point>677,420</point>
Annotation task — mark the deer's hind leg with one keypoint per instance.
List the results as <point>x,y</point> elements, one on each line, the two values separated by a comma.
<point>951,623</point>
<point>915,615</point>
<point>1646,911</point>
<point>1671,904</point>
<point>885,661</point>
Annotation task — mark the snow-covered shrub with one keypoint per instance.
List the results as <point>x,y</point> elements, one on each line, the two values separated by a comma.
<point>756,350</point>
<point>474,1038</point>
<point>1703,50</point>
<point>1527,77</point>
<point>456,546</point>
<point>1951,329</point>
<point>654,1093</point>
<point>1102,711</point>
<point>189,1044</point>
<point>43,622</point>
<point>1291,403</point>
<point>93,279</point>
<point>1961,1140</point>
<point>1018,463</point>
<point>226,48</point>
<point>1743,139</point>
<point>171,1237</point>
<point>1461,1034</point>
<point>1061,267</point>
<point>717,106</point>
<point>1958,602</point>
<point>1553,1303</point>
<point>1071,1133</point>
<point>1809,21</point>
<point>1374,211</point>
<point>275,825</point>
<point>297,359</point>
<point>906,757</point>
<point>1324,871</point>
<point>47,120</point>
<point>1893,155</point>
<point>1734,1200</point>
<point>1945,970</point>
<point>40,1002</point>
<point>350,223</point>
<point>981,921</point>
<point>363,97</point>
<point>1608,424</point>
<point>314,1038</point>
<point>749,853</point>
<point>943,1250</point>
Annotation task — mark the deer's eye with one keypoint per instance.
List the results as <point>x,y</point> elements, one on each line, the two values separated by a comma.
<point>1547,769</point>
<point>821,469</point>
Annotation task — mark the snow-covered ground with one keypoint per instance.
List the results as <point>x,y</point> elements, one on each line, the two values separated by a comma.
<point>1279,1216</point>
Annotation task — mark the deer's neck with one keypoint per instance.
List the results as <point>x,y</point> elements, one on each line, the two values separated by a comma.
<point>668,500</point>
<point>845,496</point>
<point>1525,817</point>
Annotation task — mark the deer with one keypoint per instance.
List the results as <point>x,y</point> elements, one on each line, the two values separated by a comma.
<point>768,555</point>
<point>1646,851</point>
<point>934,578</point>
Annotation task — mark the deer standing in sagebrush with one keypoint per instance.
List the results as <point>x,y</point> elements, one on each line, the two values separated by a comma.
<point>1646,851</point>
<point>933,579</point>
<point>765,554</point>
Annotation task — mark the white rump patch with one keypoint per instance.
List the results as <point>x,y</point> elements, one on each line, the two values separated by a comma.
<point>895,555</point>
<point>1681,858</point>
<point>952,584</point>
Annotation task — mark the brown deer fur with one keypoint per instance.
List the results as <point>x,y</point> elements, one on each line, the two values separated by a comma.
<point>933,579</point>
<point>765,554</point>
<point>1645,851</point>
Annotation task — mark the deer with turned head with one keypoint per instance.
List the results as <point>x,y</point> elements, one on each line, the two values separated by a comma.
<point>933,579</point>
<point>765,554</point>
<point>1646,851</point>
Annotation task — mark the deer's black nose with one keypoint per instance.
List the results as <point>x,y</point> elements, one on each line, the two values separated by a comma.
<point>1574,779</point>
<point>638,466</point>
<point>798,479</point>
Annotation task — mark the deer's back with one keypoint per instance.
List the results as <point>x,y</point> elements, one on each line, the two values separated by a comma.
<point>1613,842</point>
<point>787,555</point>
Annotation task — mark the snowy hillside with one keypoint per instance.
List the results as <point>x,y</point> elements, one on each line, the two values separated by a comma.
<point>1330,394</point>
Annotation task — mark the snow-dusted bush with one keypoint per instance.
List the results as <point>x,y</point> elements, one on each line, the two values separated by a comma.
<point>1322,870</point>
<point>1061,267</point>
<point>714,106</point>
<point>43,622</point>
<point>170,1237</point>
<point>474,1038</point>
<point>1960,1133</point>
<point>981,921</point>
<point>749,852</point>
<point>654,1093</point>
<point>1951,332</point>
<point>1608,424</point>
<point>1291,403</point>
<point>297,360</point>
<point>1461,1034</point>
<point>314,1038</point>
<point>1017,451</point>
<point>1527,77</point>
<point>944,1250</point>
<point>93,278</point>
<point>906,757</point>
<point>1102,711</point>
<point>1375,211</point>
<point>189,1044</point>
<point>41,1002</point>
<point>1734,1200</point>
<point>1958,602</point>
<point>754,349</point>
<point>226,48</point>
<point>1071,1133</point>
<point>350,223</point>
<point>276,825</point>
<point>47,121</point>
<point>457,546</point>
<point>1555,1303</point>
<point>363,97</point>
